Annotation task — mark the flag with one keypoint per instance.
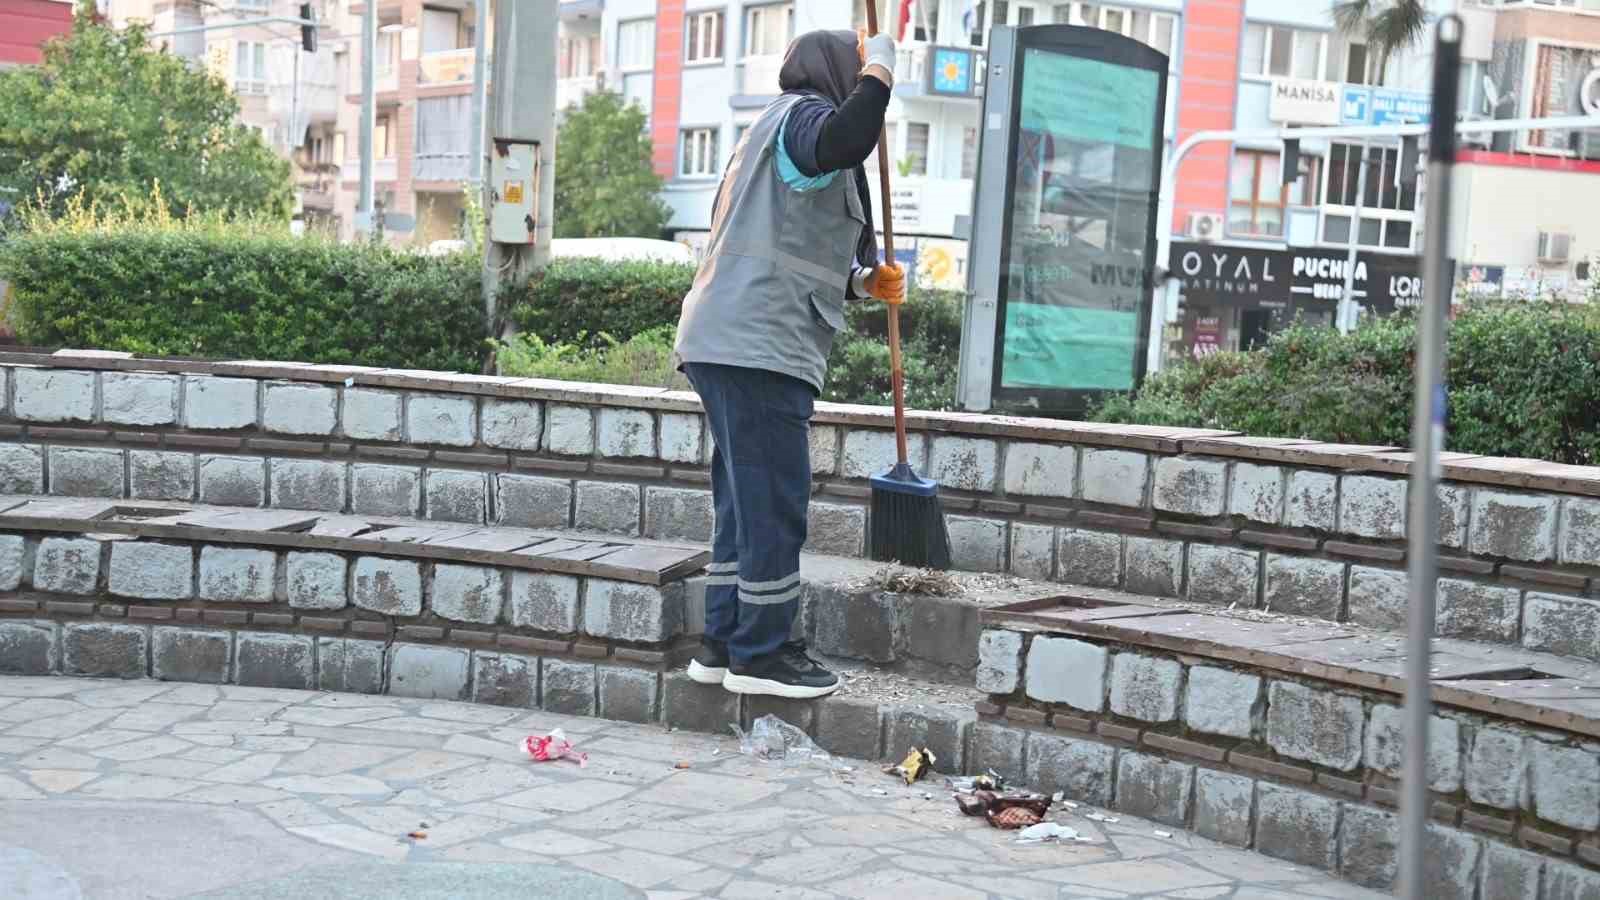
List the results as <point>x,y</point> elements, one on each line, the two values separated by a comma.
<point>905,19</point>
<point>969,16</point>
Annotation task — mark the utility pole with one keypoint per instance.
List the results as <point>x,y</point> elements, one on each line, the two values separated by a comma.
<point>1345,318</point>
<point>369,77</point>
<point>480,93</point>
<point>524,112</point>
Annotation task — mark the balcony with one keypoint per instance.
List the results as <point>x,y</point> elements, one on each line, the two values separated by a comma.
<point>571,91</point>
<point>579,10</point>
<point>446,67</point>
<point>756,82</point>
<point>924,70</point>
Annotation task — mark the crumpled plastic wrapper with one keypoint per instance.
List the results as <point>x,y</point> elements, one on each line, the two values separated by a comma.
<point>916,765</point>
<point>552,747</point>
<point>773,740</point>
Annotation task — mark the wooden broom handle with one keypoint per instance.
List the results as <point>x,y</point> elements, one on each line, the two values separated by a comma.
<point>897,375</point>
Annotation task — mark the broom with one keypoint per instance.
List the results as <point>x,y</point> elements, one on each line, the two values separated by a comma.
<point>907,519</point>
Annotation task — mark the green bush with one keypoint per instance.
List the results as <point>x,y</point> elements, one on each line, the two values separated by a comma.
<point>1523,380</point>
<point>576,300</point>
<point>644,359</point>
<point>151,285</point>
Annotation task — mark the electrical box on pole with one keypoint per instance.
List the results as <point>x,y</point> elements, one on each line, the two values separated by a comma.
<point>308,28</point>
<point>514,192</point>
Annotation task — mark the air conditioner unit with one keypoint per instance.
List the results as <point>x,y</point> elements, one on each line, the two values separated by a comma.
<point>1555,246</point>
<point>1205,226</point>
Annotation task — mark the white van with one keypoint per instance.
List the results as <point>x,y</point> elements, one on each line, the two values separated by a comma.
<point>601,248</point>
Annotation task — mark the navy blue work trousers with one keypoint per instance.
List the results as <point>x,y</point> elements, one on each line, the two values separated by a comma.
<point>760,485</point>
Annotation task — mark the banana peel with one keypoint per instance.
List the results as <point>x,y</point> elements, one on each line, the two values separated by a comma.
<point>914,767</point>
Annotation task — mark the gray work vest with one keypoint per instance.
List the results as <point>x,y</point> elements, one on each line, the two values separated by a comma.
<point>770,294</point>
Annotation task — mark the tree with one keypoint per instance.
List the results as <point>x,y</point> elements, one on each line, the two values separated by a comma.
<point>107,117</point>
<point>1385,25</point>
<point>605,184</point>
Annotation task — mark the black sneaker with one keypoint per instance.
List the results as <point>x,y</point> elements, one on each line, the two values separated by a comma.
<point>787,673</point>
<point>710,665</point>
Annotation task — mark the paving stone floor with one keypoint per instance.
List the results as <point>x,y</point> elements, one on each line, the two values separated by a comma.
<point>154,789</point>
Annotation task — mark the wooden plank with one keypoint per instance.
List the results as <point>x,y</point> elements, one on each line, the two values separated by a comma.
<point>556,546</point>
<point>582,553</point>
<point>65,510</point>
<point>340,526</point>
<point>654,565</point>
<point>250,519</point>
<point>418,534</point>
<point>498,540</point>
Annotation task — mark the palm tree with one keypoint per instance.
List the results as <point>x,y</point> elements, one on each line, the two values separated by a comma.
<point>1385,25</point>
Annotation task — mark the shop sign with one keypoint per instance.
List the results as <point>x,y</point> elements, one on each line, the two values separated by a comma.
<point>1207,336</point>
<point>1361,105</point>
<point>1304,102</point>
<point>1209,273</point>
<point>1381,281</point>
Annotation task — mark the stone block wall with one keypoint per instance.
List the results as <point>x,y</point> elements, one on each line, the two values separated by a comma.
<point>1298,768</point>
<point>1203,516</point>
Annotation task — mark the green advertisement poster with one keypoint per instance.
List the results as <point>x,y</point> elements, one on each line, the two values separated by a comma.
<point>1092,348</point>
<point>1090,100</point>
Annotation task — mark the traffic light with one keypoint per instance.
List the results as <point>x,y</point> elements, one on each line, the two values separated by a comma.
<point>1291,160</point>
<point>308,28</point>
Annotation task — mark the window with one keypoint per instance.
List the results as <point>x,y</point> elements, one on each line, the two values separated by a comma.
<point>388,52</point>
<point>705,37</point>
<point>383,137</point>
<point>969,152</point>
<point>252,4</point>
<point>1389,210</point>
<point>1273,51</point>
<point>699,153</point>
<point>917,147</point>
<point>1158,30</point>
<point>636,45</point>
<point>576,56</point>
<point>1357,65</point>
<point>250,67</point>
<point>441,29</point>
<point>925,20</point>
<point>768,29</point>
<point>1257,196</point>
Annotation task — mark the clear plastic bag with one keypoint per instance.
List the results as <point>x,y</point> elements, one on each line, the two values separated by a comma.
<point>773,740</point>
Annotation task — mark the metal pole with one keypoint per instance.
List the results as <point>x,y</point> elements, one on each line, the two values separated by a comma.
<point>480,92</point>
<point>1347,299</point>
<point>369,53</point>
<point>1427,441</point>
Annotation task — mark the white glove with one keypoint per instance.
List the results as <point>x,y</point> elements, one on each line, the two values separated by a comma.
<point>880,52</point>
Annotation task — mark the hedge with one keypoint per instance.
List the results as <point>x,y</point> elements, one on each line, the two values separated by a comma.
<point>577,300</point>
<point>1523,381</point>
<point>213,289</point>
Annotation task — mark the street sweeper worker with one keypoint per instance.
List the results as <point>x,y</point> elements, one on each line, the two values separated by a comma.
<point>791,243</point>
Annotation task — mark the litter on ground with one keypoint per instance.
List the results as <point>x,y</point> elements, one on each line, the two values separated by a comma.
<point>552,747</point>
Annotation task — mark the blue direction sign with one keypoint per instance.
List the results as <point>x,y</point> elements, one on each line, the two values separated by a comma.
<point>1361,105</point>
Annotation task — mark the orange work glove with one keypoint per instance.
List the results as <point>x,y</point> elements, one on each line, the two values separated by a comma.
<point>887,283</point>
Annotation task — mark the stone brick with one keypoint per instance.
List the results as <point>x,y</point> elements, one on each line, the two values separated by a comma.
<point>351,666</point>
<point>274,661</point>
<point>1307,587</point>
<point>21,469</point>
<point>86,472</point>
<point>836,529</point>
<point>1378,598</point>
<point>92,648</point>
<point>1040,470</point>
<point>1115,477</point>
<point>1496,768</point>
<point>845,726</point>
<point>289,408</point>
<point>1385,750</point>
<point>943,731</point>
<point>467,593</point>
<point>443,419</point>
<point>67,566</point>
<point>152,571</point>
<point>371,415</point>
<point>1570,881</point>
<point>428,673</point>
<point>1453,505</point>
<point>941,630</point>
<point>1369,846</point>
<point>544,601</point>
<point>530,501</point>
<point>860,625</point>
<point>1090,558</point>
<point>389,586</point>
<point>1154,788</point>
<point>1515,526</point>
<point>1468,609</point>
<point>1372,507</point>
<point>505,679</point>
<point>626,433</point>
<point>869,452</point>
<point>1313,500</point>
<point>1225,576</point>
<point>1221,701</point>
<point>1033,551</point>
<point>1507,873</point>
<point>512,424</point>
<point>607,507</point>
<point>1063,670</point>
<point>1256,493</point>
<point>681,438</point>
<point>158,475</point>
<point>625,611</point>
<point>313,484</point>
<point>999,661</point>
<point>237,574</point>
<point>137,398</point>
<point>27,648</point>
<point>1081,770</point>
<point>53,395</point>
<point>1569,626</point>
<point>1153,566</point>
<point>627,695</point>
<point>976,544</point>
<point>678,514</point>
<point>1296,826</point>
<point>1317,726</point>
<point>1580,532</point>
<point>1145,687</point>
<point>233,480</point>
<point>1566,785</point>
<point>211,403</point>
<point>963,463</point>
<point>455,496</point>
<point>569,430</point>
<point>13,560</point>
<point>385,490</point>
<point>1193,487</point>
<point>998,747</point>
<point>316,580</point>
<point>823,441</point>
<point>1222,805</point>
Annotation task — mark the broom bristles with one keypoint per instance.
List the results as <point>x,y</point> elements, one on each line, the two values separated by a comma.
<point>908,521</point>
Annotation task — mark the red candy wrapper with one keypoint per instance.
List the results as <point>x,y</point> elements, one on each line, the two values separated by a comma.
<point>552,747</point>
